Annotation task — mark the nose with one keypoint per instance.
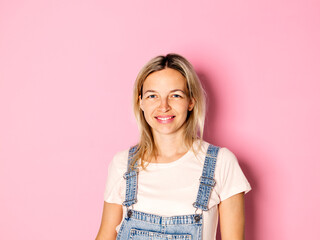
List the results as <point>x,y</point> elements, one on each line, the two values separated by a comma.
<point>164,105</point>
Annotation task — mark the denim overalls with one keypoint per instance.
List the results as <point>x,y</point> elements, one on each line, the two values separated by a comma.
<point>143,226</point>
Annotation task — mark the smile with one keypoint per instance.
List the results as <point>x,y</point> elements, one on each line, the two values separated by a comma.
<point>165,119</point>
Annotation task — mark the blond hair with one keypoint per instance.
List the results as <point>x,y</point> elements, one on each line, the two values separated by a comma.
<point>146,148</point>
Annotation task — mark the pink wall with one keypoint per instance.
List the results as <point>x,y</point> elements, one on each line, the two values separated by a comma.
<point>66,75</point>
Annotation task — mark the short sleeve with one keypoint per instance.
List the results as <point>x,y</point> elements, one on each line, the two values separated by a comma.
<point>115,184</point>
<point>230,178</point>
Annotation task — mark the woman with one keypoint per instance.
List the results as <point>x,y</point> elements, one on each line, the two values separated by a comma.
<point>153,189</point>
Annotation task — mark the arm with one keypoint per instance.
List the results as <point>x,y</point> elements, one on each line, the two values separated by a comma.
<point>111,217</point>
<point>231,213</point>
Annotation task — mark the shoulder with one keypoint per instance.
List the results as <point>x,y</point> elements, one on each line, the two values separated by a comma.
<point>224,155</point>
<point>119,161</point>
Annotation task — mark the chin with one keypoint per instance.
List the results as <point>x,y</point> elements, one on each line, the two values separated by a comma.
<point>166,131</point>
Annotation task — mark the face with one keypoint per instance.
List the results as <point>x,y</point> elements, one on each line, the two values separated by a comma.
<point>165,101</point>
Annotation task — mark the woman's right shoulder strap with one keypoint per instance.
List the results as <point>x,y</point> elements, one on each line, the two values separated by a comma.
<point>132,152</point>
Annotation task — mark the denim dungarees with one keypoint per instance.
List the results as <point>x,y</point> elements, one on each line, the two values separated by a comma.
<point>143,226</point>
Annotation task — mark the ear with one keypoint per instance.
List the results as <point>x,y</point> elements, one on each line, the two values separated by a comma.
<point>191,104</point>
<point>140,102</point>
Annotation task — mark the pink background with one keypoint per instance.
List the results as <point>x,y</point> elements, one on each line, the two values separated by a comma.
<point>67,68</point>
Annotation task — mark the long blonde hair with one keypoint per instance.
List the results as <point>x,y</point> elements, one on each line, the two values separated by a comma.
<point>146,148</point>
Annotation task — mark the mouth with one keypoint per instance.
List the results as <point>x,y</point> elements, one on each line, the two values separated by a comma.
<point>165,119</point>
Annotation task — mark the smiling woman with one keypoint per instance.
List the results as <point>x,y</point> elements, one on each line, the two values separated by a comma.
<point>153,189</point>
<point>161,75</point>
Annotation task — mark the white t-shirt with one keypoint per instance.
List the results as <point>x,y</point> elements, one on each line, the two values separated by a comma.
<point>170,189</point>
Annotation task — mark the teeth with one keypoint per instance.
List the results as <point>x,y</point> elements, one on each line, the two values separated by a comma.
<point>163,119</point>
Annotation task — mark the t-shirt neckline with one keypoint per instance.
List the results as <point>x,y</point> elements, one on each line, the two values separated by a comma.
<point>173,163</point>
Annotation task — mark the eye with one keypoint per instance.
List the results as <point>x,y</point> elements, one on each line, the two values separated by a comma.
<point>152,96</point>
<point>176,96</point>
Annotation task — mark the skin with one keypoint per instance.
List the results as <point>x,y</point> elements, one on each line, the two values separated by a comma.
<point>165,94</point>
<point>111,217</point>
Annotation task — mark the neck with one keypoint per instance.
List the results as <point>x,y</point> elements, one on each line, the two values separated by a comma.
<point>170,147</point>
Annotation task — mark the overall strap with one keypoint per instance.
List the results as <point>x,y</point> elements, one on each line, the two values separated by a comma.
<point>206,180</point>
<point>131,177</point>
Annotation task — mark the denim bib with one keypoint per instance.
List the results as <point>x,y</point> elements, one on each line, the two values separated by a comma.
<point>143,226</point>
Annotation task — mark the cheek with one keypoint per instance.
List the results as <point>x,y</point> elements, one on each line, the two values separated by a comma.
<point>182,107</point>
<point>148,108</point>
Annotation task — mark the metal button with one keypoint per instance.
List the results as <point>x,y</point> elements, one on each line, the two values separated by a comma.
<point>129,213</point>
<point>197,218</point>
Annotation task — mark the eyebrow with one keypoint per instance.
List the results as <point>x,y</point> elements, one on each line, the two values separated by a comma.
<point>174,90</point>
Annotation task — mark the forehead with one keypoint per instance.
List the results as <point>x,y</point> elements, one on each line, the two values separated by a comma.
<point>166,79</point>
